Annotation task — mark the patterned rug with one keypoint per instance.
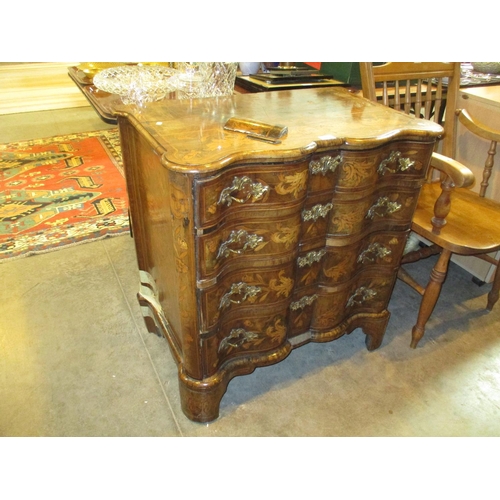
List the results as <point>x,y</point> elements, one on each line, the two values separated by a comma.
<point>61,191</point>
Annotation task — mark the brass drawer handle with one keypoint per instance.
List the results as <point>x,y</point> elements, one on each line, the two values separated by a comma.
<point>402,165</point>
<point>241,289</point>
<point>243,239</point>
<point>311,257</point>
<point>250,190</point>
<point>307,300</point>
<point>373,252</point>
<point>383,207</point>
<point>325,164</point>
<point>316,212</point>
<point>362,294</point>
<point>236,338</point>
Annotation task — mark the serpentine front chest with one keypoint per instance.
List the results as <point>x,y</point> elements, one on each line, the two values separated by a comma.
<point>251,243</point>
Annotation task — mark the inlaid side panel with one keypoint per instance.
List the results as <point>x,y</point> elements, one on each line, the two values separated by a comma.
<point>161,210</point>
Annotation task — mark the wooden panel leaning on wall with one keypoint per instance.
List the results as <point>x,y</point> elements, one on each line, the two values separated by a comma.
<point>39,86</point>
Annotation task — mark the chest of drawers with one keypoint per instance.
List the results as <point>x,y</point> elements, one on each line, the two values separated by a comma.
<point>248,249</point>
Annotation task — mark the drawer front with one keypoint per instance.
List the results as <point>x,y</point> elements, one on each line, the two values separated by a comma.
<point>331,265</point>
<point>241,289</point>
<point>256,243</point>
<point>255,188</point>
<point>367,293</point>
<point>243,335</point>
<point>405,160</point>
<point>323,308</point>
<point>383,209</point>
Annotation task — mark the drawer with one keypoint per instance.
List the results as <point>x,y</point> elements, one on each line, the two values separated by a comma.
<point>369,292</point>
<point>385,208</point>
<point>241,336</point>
<point>361,169</point>
<point>243,288</point>
<point>258,189</point>
<point>257,243</point>
<point>330,265</point>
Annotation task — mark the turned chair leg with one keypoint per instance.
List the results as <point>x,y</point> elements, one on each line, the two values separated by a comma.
<point>494,292</point>
<point>430,296</point>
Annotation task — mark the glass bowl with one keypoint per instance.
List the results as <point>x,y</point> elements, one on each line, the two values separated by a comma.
<point>137,84</point>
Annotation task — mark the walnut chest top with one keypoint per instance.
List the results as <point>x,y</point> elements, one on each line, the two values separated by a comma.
<point>192,137</point>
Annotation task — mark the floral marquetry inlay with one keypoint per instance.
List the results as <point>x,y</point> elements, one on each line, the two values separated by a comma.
<point>357,172</point>
<point>286,235</point>
<point>281,286</point>
<point>346,219</point>
<point>293,184</point>
<point>342,268</point>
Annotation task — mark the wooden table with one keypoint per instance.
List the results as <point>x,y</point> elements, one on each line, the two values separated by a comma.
<point>247,249</point>
<point>249,84</point>
<point>105,103</point>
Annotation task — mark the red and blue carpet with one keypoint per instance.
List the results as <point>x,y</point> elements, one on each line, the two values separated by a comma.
<point>61,191</point>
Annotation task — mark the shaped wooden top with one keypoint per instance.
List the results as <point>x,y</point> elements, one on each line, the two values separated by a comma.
<point>191,136</point>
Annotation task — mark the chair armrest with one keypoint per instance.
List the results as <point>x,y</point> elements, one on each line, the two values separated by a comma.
<point>476,127</point>
<point>460,175</point>
<point>456,175</point>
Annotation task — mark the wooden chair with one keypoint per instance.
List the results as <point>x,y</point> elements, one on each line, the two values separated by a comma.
<point>449,218</point>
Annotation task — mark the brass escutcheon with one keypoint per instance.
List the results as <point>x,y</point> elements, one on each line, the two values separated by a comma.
<point>242,238</point>
<point>374,251</point>
<point>307,300</point>
<point>241,289</point>
<point>236,338</point>
<point>383,207</point>
<point>316,212</point>
<point>251,190</point>
<point>402,165</point>
<point>311,257</point>
<point>362,294</point>
<point>325,164</point>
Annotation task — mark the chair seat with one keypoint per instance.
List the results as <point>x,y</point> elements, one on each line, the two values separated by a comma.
<point>468,230</point>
